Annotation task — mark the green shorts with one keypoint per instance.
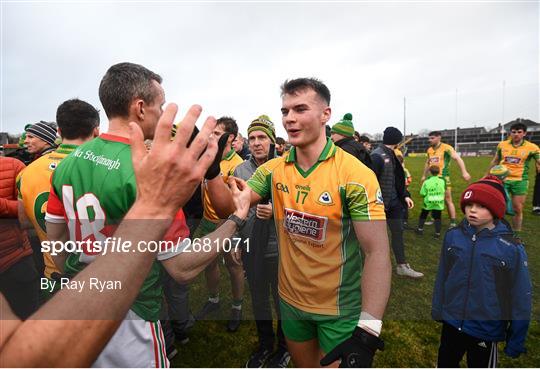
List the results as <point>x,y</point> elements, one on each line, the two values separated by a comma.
<point>46,293</point>
<point>302,326</point>
<point>517,187</point>
<point>205,227</point>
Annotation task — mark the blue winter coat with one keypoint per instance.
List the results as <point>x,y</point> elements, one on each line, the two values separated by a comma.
<point>483,286</point>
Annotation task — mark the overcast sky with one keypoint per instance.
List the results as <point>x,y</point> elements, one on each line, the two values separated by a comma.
<point>232,57</point>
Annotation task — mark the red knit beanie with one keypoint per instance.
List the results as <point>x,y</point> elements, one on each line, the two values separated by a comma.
<point>488,192</point>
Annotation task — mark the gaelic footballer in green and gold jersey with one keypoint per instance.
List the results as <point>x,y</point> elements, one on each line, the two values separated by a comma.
<point>78,122</point>
<point>225,127</point>
<point>313,212</point>
<point>516,159</point>
<point>34,184</point>
<point>324,202</point>
<point>515,154</point>
<point>439,154</point>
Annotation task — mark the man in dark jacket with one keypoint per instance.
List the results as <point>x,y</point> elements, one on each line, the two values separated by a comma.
<point>239,145</point>
<point>342,133</point>
<point>261,260</point>
<point>391,177</point>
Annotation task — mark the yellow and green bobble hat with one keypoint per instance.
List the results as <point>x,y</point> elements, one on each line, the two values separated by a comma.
<point>263,123</point>
<point>345,126</point>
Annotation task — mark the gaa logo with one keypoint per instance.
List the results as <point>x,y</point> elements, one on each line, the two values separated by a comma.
<point>53,166</point>
<point>467,195</point>
<point>281,187</point>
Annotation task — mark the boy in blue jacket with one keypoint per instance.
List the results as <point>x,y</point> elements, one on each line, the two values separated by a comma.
<point>483,291</point>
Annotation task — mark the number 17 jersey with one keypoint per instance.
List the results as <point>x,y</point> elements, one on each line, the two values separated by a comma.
<point>314,210</point>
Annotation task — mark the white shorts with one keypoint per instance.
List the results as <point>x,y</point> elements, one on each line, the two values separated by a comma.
<point>136,343</point>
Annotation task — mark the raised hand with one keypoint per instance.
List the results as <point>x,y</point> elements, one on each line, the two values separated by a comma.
<point>168,174</point>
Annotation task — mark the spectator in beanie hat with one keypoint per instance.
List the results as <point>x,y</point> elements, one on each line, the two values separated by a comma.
<point>261,263</point>
<point>396,198</point>
<point>40,138</point>
<point>263,123</point>
<point>493,303</point>
<point>342,133</point>
<point>344,128</point>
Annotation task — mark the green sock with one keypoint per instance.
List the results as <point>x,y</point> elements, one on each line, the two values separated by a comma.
<point>237,304</point>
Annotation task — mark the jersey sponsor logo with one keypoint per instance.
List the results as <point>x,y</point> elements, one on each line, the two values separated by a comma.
<point>281,187</point>
<point>512,160</point>
<point>325,199</point>
<point>434,160</point>
<point>305,225</point>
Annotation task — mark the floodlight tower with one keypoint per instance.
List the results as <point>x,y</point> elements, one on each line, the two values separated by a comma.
<point>502,115</point>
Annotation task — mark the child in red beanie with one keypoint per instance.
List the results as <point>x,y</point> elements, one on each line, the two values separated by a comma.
<point>482,292</point>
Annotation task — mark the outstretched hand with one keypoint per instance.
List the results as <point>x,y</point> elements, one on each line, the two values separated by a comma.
<point>241,196</point>
<point>169,173</point>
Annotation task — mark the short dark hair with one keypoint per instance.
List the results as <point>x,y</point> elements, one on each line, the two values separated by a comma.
<point>280,141</point>
<point>434,170</point>
<point>290,86</point>
<point>435,133</point>
<point>518,126</point>
<point>124,82</point>
<point>76,119</point>
<point>229,125</point>
<point>364,138</point>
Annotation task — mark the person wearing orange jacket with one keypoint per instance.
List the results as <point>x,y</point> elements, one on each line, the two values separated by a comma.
<point>19,281</point>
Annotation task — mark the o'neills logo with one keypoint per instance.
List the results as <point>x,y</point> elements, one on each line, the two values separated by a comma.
<point>305,225</point>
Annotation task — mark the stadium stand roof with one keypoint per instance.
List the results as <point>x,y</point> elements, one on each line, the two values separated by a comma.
<point>532,126</point>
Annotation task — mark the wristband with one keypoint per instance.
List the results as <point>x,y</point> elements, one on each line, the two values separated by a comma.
<point>370,323</point>
<point>240,223</point>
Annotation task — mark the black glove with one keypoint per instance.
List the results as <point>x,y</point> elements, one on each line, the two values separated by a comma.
<point>193,135</point>
<point>214,169</point>
<point>356,351</point>
<point>272,151</point>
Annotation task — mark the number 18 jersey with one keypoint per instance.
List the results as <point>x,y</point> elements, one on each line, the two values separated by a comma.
<point>93,189</point>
